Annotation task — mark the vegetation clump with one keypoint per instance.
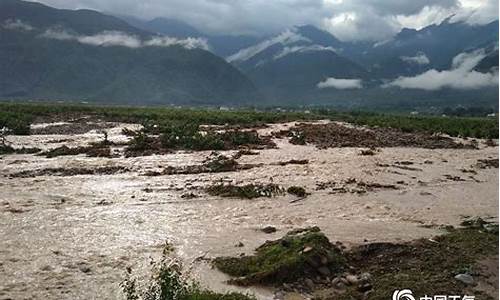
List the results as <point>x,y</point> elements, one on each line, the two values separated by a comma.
<point>333,135</point>
<point>18,123</point>
<point>368,152</point>
<point>300,253</point>
<point>173,136</point>
<point>219,163</point>
<point>293,162</point>
<point>19,116</point>
<point>169,283</point>
<point>107,170</point>
<point>72,127</point>
<point>297,191</point>
<point>91,151</point>
<point>249,191</point>
<point>487,163</point>
<point>243,152</point>
<point>215,163</point>
<point>353,186</point>
<point>426,266</point>
<point>7,149</point>
<point>143,145</point>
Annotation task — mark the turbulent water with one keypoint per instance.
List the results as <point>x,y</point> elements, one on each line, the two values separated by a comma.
<point>72,237</point>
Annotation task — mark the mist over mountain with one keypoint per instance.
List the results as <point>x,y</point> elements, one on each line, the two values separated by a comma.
<point>221,45</point>
<point>53,54</point>
<point>308,65</point>
<point>84,55</point>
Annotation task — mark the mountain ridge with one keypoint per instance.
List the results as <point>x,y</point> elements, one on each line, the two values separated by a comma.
<point>60,54</point>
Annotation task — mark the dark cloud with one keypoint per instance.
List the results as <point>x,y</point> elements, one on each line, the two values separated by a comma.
<point>348,19</point>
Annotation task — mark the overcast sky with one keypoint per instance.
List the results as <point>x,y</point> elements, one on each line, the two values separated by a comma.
<point>346,19</point>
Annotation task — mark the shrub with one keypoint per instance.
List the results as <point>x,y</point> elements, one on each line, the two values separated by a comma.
<point>299,253</point>
<point>297,191</point>
<point>168,283</point>
<point>249,191</point>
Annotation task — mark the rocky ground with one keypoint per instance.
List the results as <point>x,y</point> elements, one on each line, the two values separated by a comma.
<point>72,224</point>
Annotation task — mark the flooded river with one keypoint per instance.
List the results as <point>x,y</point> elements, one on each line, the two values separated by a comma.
<point>72,237</point>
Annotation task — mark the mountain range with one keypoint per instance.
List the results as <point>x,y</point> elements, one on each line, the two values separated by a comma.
<point>84,55</point>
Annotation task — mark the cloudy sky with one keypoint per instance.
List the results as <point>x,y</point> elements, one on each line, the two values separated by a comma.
<point>347,19</point>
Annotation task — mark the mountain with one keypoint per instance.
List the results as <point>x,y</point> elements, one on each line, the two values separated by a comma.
<point>164,26</point>
<point>490,61</point>
<point>83,21</point>
<point>84,55</point>
<point>291,64</point>
<point>298,39</point>
<point>306,65</point>
<point>48,53</point>
<point>414,51</point>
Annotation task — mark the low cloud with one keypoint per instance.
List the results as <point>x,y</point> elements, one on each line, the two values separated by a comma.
<point>461,76</point>
<point>301,49</point>
<point>17,25</point>
<point>419,59</point>
<point>188,43</point>
<point>118,38</point>
<point>340,84</point>
<point>285,38</point>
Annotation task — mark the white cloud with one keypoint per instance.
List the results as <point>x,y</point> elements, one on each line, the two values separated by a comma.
<point>17,25</point>
<point>340,84</point>
<point>419,59</point>
<point>469,11</point>
<point>301,49</point>
<point>477,11</point>
<point>111,38</point>
<point>188,43</point>
<point>360,25</point>
<point>461,76</point>
<point>285,38</point>
<point>427,16</point>
<point>117,38</point>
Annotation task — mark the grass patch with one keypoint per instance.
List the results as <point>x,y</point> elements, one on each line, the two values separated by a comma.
<point>300,253</point>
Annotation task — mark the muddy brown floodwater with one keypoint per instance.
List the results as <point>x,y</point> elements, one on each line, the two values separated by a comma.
<point>72,237</point>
